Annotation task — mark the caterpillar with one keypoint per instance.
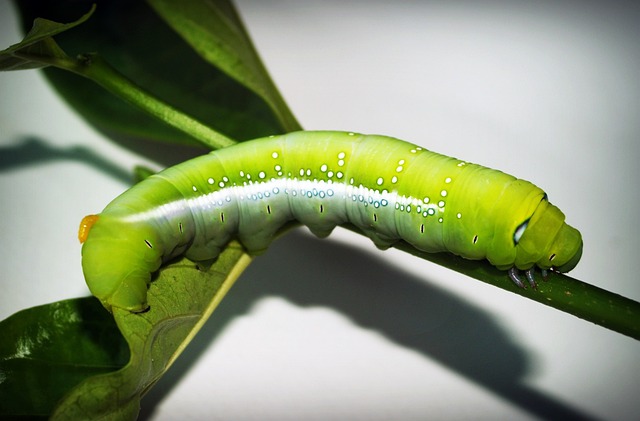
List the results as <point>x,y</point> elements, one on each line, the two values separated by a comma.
<point>390,189</point>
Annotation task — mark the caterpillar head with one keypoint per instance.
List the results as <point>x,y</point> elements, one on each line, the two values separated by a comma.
<point>547,241</point>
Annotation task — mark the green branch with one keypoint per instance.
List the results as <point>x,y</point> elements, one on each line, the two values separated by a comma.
<point>95,68</point>
<point>559,291</point>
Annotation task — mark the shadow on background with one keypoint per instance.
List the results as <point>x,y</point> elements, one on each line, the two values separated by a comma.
<point>33,151</point>
<point>405,309</point>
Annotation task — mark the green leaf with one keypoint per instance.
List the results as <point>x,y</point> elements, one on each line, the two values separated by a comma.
<point>181,299</point>
<point>215,31</point>
<point>134,40</point>
<point>49,349</point>
<point>38,48</point>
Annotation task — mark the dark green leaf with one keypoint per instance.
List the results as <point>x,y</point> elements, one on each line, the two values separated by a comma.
<point>135,41</point>
<point>181,299</point>
<point>215,31</point>
<point>47,350</point>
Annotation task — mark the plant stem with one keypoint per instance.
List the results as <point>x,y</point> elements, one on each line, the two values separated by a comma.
<point>94,67</point>
<point>559,291</point>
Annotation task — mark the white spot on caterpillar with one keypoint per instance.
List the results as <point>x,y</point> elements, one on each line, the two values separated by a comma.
<point>302,171</point>
<point>441,204</point>
<point>399,168</point>
<point>323,168</point>
<point>211,180</point>
<point>340,162</point>
<point>447,180</point>
<point>339,174</point>
<point>443,193</point>
<point>341,155</point>
<point>194,188</point>
<point>221,184</point>
<point>274,155</point>
<point>426,199</point>
<point>241,173</point>
<point>277,167</point>
<point>431,211</point>
<point>394,179</point>
<point>380,181</point>
<point>440,220</point>
<point>459,215</point>
<point>330,174</point>
<point>401,162</point>
<point>308,172</point>
<point>262,174</point>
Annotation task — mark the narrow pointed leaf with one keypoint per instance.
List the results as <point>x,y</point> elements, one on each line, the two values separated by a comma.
<point>215,31</point>
<point>38,49</point>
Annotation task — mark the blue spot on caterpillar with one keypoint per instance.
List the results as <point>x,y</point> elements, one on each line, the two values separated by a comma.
<point>388,188</point>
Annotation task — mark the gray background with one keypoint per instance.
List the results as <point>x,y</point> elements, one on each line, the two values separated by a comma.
<point>547,91</point>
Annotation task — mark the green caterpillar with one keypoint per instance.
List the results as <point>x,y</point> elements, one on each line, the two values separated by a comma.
<point>388,188</point>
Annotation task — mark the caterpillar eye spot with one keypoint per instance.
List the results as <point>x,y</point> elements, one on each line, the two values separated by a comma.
<point>221,216</point>
<point>269,209</point>
<point>148,244</point>
<point>375,217</point>
<point>475,239</point>
<point>553,256</point>
<point>321,208</point>
<point>421,228</point>
<point>180,228</point>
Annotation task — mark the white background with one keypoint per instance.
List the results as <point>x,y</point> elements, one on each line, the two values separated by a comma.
<point>334,329</point>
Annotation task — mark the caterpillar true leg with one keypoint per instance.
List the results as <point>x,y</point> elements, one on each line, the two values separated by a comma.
<point>515,276</point>
<point>529,275</point>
